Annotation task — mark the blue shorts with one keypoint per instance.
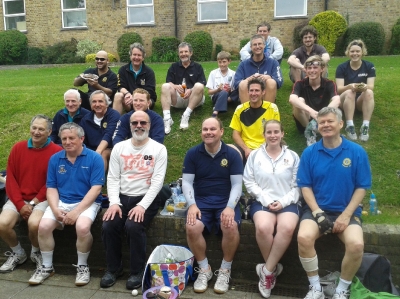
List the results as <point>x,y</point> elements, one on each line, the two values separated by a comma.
<point>307,214</point>
<point>257,206</point>
<point>211,218</point>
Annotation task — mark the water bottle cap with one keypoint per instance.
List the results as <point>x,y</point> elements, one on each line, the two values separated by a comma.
<point>373,195</point>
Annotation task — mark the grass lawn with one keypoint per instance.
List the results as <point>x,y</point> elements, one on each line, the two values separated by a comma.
<point>26,91</point>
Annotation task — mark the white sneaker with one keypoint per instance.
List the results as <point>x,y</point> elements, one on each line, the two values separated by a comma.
<point>36,257</point>
<point>314,294</point>
<point>82,275</point>
<point>201,283</point>
<point>12,261</point>
<point>267,282</point>
<point>222,284</point>
<point>184,122</point>
<point>342,295</point>
<point>364,136</point>
<point>41,274</point>
<point>167,125</point>
<point>351,133</point>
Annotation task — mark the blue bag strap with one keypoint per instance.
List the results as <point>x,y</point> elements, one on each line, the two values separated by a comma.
<point>189,272</point>
<point>166,278</point>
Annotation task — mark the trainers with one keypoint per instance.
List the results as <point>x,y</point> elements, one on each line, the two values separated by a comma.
<point>364,136</point>
<point>82,275</point>
<point>314,294</point>
<point>222,284</point>
<point>184,122</point>
<point>201,283</point>
<point>267,282</point>
<point>36,257</point>
<point>167,125</point>
<point>351,133</point>
<point>342,295</point>
<point>41,274</point>
<point>134,281</point>
<point>12,261</point>
<point>311,132</point>
<point>109,278</point>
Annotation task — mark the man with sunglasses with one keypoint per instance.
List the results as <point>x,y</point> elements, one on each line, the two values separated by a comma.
<point>136,174</point>
<point>99,78</point>
<point>310,95</point>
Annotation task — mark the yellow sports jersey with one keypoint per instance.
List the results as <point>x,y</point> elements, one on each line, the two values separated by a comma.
<point>249,122</point>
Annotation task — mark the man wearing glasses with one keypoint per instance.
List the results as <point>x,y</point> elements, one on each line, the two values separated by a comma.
<point>99,78</point>
<point>310,95</point>
<point>136,174</point>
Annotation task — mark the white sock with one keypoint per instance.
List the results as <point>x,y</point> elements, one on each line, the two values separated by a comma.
<point>349,123</point>
<point>203,264</point>
<point>82,258</point>
<point>188,111</point>
<point>366,123</point>
<point>226,265</point>
<point>343,285</point>
<point>314,281</point>
<point>18,249</point>
<point>47,258</point>
<point>266,271</point>
<point>34,249</point>
<point>167,114</point>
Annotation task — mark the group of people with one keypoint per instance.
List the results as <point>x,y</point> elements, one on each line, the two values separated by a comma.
<point>62,185</point>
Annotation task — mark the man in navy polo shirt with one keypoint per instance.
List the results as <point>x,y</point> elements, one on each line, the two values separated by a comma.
<point>74,180</point>
<point>212,185</point>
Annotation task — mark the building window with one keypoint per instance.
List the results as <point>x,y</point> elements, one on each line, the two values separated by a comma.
<point>73,13</point>
<point>290,8</point>
<point>212,10</point>
<point>140,12</point>
<point>14,14</point>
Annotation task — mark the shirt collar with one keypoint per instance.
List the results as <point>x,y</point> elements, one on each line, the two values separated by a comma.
<point>30,143</point>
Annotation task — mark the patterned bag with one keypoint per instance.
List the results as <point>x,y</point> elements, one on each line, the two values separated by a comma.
<point>168,265</point>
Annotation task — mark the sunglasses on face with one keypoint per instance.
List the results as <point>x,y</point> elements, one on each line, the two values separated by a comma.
<point>142,123</point>
<point>315,63</point>
<point>100,59</point>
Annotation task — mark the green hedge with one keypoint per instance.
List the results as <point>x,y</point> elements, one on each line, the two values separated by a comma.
<point>202,44</point>
<point>124,43</point>
<point>243,42</point>
<point>395,40</point>
<point>371,33</point>
<point>164,49</point>
<point>35,55</point>
<point>13,47</point>
<point>86,47</point>
<point>62,52</point>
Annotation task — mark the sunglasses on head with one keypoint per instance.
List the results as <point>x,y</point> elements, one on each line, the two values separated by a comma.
<point>101,59</point>
<point>142,123</point>
<point>310,63</point>
<point>356,44</point>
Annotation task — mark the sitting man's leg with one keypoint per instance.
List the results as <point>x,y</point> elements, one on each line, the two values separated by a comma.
<point>365,103</point>
<point>196,99</point>
<point>243,91</point>
<point>270,90</point>
<point>168,99</point>
<point>106,158</point>
<point>122,103</point>
<point>33,227</point>
<point>220,101</point>
<point>348,104</point>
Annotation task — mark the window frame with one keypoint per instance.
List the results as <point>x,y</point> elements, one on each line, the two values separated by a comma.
<point>304,14</point>
<point>5,15</point>
<point>200,2</point>
<point>133,6</point>
<point>66,10</point>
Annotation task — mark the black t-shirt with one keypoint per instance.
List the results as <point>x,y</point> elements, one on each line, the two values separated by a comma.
<point>366,70</point>
<point>193,73</point>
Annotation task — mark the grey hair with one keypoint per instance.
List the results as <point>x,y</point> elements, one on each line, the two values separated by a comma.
<point>106,97</point>
<point>48,120</point>
<point>72,126</point>
<point>73,91</point>
<point>326,110</point>
<point>256,36</point>
<point>185,44</point>
<point>138,46</point>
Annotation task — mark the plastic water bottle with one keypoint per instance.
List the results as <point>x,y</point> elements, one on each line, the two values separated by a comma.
<point>373,205</point>
<point>169,259</point>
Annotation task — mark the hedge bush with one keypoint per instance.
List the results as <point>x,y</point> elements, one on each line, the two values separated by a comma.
<point>395,40</point>
<point>13,47</point>
<point>330,25</point>
<point>62,52</point>
<point>297,39</point>
<point>86,47</point>
<point>371,33</point>
<point>164,49</point>
<point>124,43</point>
<point>202,44</point>
<point>218,48</point>
<point>90,58</point>
<point>243,42</point>
<point>35,55</point>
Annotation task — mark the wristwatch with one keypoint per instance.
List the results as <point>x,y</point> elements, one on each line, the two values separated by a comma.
<point>32,203</point>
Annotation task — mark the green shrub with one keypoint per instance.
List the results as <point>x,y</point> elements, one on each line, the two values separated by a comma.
<point>297,40</point>
<point>62,52</point>
<point>218,48</point>
<point>124,43</point>
<point>202,44</point>
<point>13,47</point>
<point>90,58</point>
<point>35,55</point>
<point>243,42</point>
<point>395,40</point>
<point>164,49</point>
<point>286,52</point>
<point>330,25</point>
<point>371,33</point>
<point>86,47</point>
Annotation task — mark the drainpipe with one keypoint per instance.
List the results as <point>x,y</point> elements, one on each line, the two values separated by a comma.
<point>176,18</point>
<point>326,5</point>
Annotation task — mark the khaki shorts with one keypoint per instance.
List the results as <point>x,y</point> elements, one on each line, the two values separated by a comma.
<point>9,205</point>
<point>183,103</point>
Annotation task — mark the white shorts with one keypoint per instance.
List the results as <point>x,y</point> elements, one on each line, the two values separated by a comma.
<point>90,212</point>
<point>183,103</point>
<point>9,205</point>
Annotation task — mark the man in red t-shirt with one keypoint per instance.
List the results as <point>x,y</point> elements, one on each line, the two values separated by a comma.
<point>26,191</point>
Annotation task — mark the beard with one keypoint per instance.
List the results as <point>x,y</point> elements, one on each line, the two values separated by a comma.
<point>141,137</point>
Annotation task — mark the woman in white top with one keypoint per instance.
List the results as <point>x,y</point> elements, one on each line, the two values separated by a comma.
<point>270,177</point>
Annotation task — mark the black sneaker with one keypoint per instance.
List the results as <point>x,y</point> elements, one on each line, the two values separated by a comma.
<point>109,278</point>
<point>134,281</point>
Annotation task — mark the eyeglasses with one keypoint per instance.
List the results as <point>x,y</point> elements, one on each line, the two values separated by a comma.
<point>101,59</point>
<point>142,123</point>
<point>310,63</point>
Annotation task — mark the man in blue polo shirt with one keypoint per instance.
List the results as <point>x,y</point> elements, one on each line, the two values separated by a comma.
<point>212,185</point>
<point>334,174</point>
<point>74,180</point>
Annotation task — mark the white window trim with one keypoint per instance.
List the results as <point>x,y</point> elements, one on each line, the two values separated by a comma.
<point>12,15</point>
<point>133,6</point>
<point>199,2</point>
<point>70,10</point>
<point>294,15</point>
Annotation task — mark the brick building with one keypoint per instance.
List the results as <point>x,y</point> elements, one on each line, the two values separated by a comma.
<point>47,22</point>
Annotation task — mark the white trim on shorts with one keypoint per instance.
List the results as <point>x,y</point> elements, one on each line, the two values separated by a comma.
<point>183,103</point>
<point>9,205</point>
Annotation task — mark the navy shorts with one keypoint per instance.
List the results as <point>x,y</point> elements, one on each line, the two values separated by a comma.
<point>211,218</point>
<point>257,206</point>
<point>307,214</point>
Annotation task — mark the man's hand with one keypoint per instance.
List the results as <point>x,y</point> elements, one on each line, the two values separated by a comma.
<point>59,214</point>
<point>275,206</point>
<point>341,223</point>
<point>26,211</point>
<point>92,82</point>
<point>111,212</point>
<point>188,92</point>
<point>128,99</point>
<point>325,225</point>
<point>137,213</point>
<point>70,217</point>
<point>227,217</point>
<point>227,87</point>
<point>192,214</point>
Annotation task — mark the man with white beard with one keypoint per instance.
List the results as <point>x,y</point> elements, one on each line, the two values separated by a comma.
<point>136,174</point>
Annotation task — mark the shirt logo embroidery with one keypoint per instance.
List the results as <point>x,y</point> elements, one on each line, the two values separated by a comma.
<point>61,169</point>
<point>346,162</point>
<point>224,163</point>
